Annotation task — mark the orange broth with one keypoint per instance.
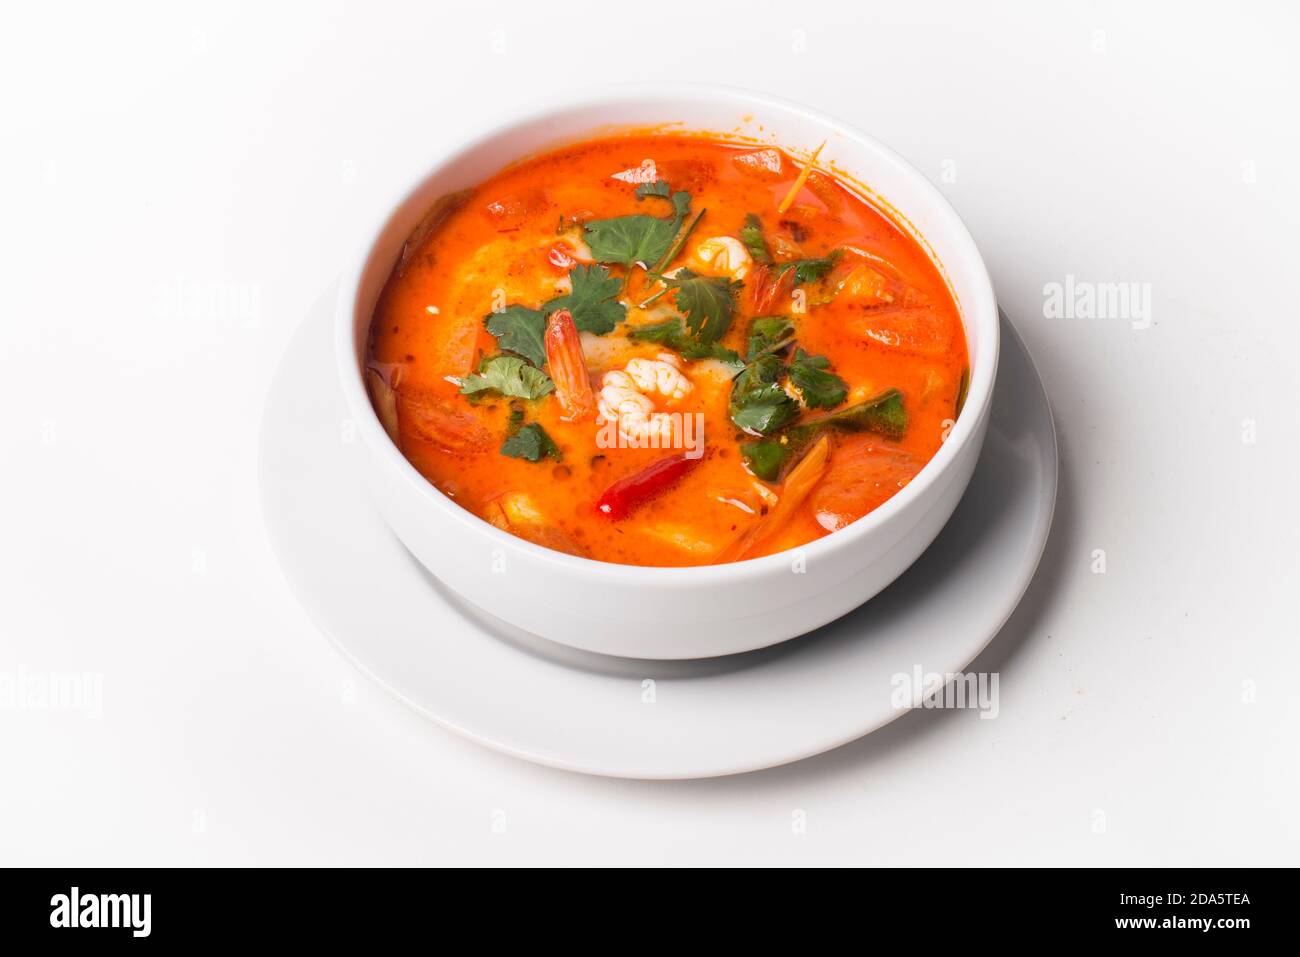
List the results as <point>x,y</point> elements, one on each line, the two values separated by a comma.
<point>875,306</point>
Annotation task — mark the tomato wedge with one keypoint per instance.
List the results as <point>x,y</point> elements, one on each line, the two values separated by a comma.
<point>864,474</point>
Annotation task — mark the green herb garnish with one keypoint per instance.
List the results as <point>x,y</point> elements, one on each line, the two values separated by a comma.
<point>818,387</point>
<point>677,246</point>
<point>758,404</point>
<point>593,302</point>
<point>519,329</point>
<point>751,234</point>
<point>767,334</point>
<point>672,333</point>
<point>509,376</point>
<point>769,457</point>
<point>707,303</point>
<point>809,270</point>
<point>531,443</point>
<point>639,238</point>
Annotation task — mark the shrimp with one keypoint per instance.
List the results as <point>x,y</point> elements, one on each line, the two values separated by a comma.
<point>568,366</point>
<point>721,256</point>
<point>625,398</point>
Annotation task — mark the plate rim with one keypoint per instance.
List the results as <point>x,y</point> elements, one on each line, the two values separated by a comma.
<point>316,615</point>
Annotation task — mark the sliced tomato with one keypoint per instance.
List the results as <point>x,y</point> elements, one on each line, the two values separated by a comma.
<point>915,329</point>
<point>864,473</point>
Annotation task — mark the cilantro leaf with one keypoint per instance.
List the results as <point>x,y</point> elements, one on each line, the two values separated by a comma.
<point>818,387</point>
<point>639,238</point>
<point>593,302</point>
<point>519,329</point>
<point>810,270</point>
<point>532,443</point>
<point>509,376</point>
<point>672,333</point>
<point>767,334</point>
<point>751,234</point>
<point>769,457</point>
<point>681,200</point>
<point>707,303</point>
<point>758,404</point>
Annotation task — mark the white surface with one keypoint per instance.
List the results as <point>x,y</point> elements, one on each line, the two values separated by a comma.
<point>663,613</point>
<point>152,160</point>
<point>566,708</point>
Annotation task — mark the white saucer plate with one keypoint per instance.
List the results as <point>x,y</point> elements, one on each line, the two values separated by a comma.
<point>621,717</point>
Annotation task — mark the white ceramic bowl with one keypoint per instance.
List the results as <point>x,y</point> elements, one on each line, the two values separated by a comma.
<point>672,612</point>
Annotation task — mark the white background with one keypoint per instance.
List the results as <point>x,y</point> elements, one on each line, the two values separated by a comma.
<point>177,186</point>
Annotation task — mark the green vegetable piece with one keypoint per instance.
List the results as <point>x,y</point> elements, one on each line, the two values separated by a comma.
<point>810,270</point>
<point>751,234</point>
<point>767,334</point>
<point>708,303</point>
<point>758,404</point>
<point>593,302</point>
<point>768,458</point>
<point>672,333</point>
<point>531,443</point>
<point>508,376</point>
<point>818,387</point>
<point>519,329</point>
<point>639,238</point>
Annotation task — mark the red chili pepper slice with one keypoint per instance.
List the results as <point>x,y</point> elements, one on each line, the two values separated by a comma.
<point>627,493</point>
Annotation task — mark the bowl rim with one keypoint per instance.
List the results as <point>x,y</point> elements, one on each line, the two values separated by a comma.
<point>980,308</point>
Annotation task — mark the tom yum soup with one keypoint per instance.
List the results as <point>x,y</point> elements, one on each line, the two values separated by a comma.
<point>666,350</point>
